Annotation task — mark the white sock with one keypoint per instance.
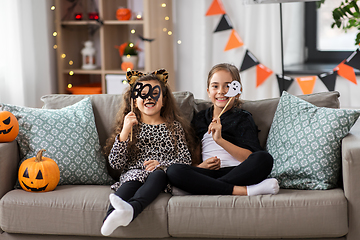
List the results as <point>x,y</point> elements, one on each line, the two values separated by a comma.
<point>268,186</point>
<point>121,216</point>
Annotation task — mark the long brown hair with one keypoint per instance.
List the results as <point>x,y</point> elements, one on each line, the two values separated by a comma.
<point>234,72</point>
<point>170,112</point>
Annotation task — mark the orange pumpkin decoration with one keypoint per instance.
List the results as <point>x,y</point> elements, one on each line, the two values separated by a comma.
<point>9,127</point>
<point>123,14</point>
<point>125,66</point>
<point>39,174</point>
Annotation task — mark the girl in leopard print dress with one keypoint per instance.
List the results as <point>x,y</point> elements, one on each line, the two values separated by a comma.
<point>145,143</point>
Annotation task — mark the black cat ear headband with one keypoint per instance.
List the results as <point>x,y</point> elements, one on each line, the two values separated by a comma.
<point>132,76</point>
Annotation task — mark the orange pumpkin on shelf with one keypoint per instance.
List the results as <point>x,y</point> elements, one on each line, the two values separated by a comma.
<point>123,14</point>
<point>39,174</point>
<point>9,127</point>
<point>127,66</point>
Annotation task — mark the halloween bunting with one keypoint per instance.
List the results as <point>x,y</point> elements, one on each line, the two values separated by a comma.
<point>346,72</point>
<point>224,24</point>
<point>354,60</point>
<point>329,80</point>
<point>345,69</point>
<point>284,81</point>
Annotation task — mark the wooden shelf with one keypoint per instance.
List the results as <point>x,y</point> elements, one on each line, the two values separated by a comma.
<point>130,22</point>
<point>80,22</point>
<point>107,33</point>
<point>83,71</point>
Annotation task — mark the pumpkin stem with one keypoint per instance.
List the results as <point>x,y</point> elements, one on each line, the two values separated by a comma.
<point>39,155</point>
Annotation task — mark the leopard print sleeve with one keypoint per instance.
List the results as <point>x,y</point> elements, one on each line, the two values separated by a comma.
<point>118,154</point>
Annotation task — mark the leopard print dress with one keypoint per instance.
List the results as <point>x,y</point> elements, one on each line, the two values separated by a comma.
<point>154,143</point>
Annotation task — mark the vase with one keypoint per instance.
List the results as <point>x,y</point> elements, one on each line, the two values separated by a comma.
<point>130,59</point>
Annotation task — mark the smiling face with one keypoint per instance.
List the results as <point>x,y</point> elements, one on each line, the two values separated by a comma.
<point>39,174</point>
<point>9,127</point>
<point>218,87</point>
<point>150,107</point>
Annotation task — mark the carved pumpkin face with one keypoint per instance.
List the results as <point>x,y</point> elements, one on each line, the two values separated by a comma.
<point>123,14</point>
<point>39,174</point>
<point>9,127</point>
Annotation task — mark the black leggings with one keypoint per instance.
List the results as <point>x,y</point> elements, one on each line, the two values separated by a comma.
<point>139,195</point>
<point>202,181</point>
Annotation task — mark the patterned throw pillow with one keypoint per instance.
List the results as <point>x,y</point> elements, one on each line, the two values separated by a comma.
<point>69,137</point>
<point>305,142</point>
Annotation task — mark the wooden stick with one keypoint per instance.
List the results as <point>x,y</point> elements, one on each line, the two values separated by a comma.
<point>225,107</point>
<point>132,109</point>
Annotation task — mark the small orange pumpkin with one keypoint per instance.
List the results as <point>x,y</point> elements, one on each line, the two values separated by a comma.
<point>123,14</point>
<point>39,174</point>
<point>125,66</point>
<point>9,127</point>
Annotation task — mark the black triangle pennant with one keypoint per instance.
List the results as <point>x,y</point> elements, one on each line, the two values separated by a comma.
<point>354,60</point>
<point>329,79</point>
<point>249,61</point>
<point>224,24</point>
<point>284,82</point>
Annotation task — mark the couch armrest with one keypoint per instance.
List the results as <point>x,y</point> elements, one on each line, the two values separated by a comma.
<point>9,160</point>
<point>351,178</point>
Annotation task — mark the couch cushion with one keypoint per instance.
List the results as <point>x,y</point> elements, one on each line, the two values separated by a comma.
<point>69,137</point>
<point>305,142</point>
<point>76,210</point>
<point>106,106</point>
<point>289,214</point>
<point>263,110</point>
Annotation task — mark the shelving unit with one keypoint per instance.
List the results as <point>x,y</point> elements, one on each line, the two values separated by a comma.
<point>107,33</point>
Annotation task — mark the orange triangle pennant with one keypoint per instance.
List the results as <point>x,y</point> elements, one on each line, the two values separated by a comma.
<point>306,84</point>
<point>234,41</point>
<point>262,73</point>
<point>346,72</point>
<point>215,8</point>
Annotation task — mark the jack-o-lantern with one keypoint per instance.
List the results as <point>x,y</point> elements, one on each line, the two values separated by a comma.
<point>9,127</point>
<point>123,14</point>
<point>39,174</point>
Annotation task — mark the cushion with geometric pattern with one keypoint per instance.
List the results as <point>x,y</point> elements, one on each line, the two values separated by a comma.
<point>69,137</point>
<point>305,142</point>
